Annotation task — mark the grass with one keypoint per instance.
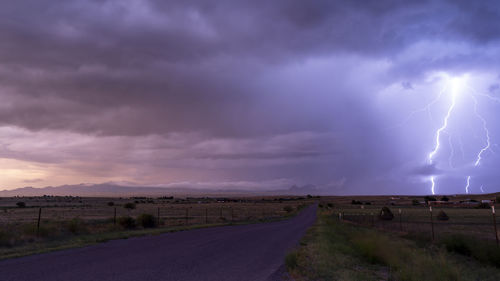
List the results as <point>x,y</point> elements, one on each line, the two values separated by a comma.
<point>333,250</point>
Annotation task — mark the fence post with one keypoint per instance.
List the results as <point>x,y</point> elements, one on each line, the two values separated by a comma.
<point>38,223</point>
<point>114,217</point>
<point>373,219</point>
<point>432,223</point>
<point>400,221</point>
<point>187,214</point>
<point>158,216</point>
<point>206,215</point>
<point>232,214</point>
<point>220,212</point>
<point>494,223</point>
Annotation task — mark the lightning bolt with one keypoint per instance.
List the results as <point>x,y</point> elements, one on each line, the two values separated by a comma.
<point>455,84</point>
<point>452,151</point>
<point>467,185</point>
<point>438,133</point>
<point>487,145</point>
<point>486,132</point>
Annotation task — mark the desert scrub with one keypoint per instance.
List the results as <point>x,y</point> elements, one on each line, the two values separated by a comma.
<point>333,250</point>
<point>126,222</point>
<point>76,226</point>
<point>291,260</point>
<point>129,206</point>
<point>484,251</point>
<point>146,220</point>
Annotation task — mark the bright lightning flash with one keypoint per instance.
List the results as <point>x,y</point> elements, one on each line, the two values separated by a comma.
<point>455,89</point>
<point>456,86</point>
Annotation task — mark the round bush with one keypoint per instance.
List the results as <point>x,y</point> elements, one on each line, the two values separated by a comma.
<point>146,220</point>
<point>129,206</point>
<point>21,204</point>
<point>126,222</point>
<point>76,226</point>
<point>386,214</point>
<point>442,216</point>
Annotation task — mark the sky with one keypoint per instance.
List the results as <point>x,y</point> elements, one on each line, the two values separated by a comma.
<point>348,96</point>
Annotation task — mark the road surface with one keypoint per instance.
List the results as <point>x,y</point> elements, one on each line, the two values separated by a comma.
<point>246,252</point>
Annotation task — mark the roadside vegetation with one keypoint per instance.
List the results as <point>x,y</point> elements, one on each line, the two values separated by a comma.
<point>21,238</point>
<point>339,250</point>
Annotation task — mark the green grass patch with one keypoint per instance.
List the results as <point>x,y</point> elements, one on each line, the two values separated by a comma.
<point>333,250</point>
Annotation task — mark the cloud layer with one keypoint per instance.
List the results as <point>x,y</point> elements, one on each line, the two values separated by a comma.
<point>156,92</point>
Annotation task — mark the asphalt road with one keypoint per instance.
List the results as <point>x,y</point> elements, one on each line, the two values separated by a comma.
<point>246,252</point>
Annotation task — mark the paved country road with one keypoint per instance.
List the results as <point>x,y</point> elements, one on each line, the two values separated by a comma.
<point>246,252</point>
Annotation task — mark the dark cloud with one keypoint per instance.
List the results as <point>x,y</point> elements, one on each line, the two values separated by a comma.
<point>246,75</point>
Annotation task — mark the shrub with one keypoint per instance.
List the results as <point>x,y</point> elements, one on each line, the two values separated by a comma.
<point>126,222</point>
<point>442,216</point>
<point>482,250</point>
<point>444,198</point>
<point>288,209</point>
<point>356,202</point>
<point>415,202</point>
<point>429,198</point>
<point>129,206</point>
<point>386,214</point>
<point>330,205</point>
<point>483,206</point>
<point>291,260</point>
<point>21,204</point>
<point>457,244</point>
<point>111,204</point>
<point>5,239</point>
<point>146,220</point>
<point>76,226</point>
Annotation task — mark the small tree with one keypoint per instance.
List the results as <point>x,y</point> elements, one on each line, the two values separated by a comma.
<point>483,206</point>
<point>146,220</point>
<point>442,216</point>
<point>429,198</point>
<point>129,206</point>
<point>386,214</point>
<point>21,204</point>
<point>126,222</point>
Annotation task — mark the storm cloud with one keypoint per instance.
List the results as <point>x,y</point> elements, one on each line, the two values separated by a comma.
<point>289,92</point>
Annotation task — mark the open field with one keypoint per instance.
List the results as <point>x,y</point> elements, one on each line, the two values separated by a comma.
<point>340,250</point>
<point>468,218</point>
<point>76,221</point>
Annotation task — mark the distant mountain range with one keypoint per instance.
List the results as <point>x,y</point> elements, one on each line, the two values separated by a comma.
<point>116,190</point>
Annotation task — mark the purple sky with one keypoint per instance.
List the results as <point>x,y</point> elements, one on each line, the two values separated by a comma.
<point>250,94</point>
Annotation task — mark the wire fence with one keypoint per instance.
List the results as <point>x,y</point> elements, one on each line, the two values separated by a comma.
<point>166,214</point>
<point>427,221</point>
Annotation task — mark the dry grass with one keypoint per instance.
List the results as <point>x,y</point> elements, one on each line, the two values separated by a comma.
<point>334,250</point>
<point>71,221</point>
